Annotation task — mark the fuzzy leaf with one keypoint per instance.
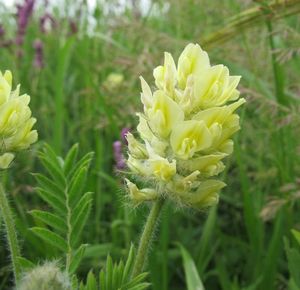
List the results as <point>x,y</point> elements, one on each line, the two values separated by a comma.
<point>25,263</point>
<point>80,215</point>
<point>77,184</point>
<point>52,200</point>
<point>51,186</point>
<point>51,238</point>
<point>76,258</point>
<point>83,162</point>
<point>50,219</point>
<point>53,170</point>
<point>70,159</point>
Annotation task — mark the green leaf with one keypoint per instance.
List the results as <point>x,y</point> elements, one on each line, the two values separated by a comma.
<point>50,219</point>
<point>296,235</point>
<point>128,265</point>
<point>76,258</point>
<point>55,171</point>
<point>136,281</point>
<point>51,238</point>
<point>25,263</point>
<point>109,270</point>
<point>52,200</point>
<point>102,282</point>
<point>49,153</point>
<point>71,159</point>
<point>51,186</point>
<point>293,257</point>
<point>83,162</point>
<point>193,280</point>
<point>91,282</point>
<point>80,215</point>
<point>77,184</point>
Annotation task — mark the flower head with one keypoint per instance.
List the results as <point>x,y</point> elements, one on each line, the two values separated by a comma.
<point>185,130</point>
<point>47,276</point>
<point>15,121</point>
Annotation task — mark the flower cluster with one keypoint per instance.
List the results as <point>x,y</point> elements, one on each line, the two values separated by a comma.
<point>45,277</point>
<point>186,130</point>
<point>15,121</point>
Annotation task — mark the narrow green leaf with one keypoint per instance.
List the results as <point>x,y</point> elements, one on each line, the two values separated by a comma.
<point>128,265</point>
<point>135,281</point>
<point>80,215</point>
<point>53,170</point>
<point>25,263</point>
<point>51,238</point>
<point>91,282</point>
<point>76,258</point>
<point>193,280</point>
<point>71,158</point>
<point>83,162</point>
<point>51,155</point>
<point>102,280</point>
<point>76,185</point>
<point>50,219</point>
<point>52,200</point>
<point>293,262</point>
<point>296,235</point>
<point>109,272</point>
<point>119,274</point>
<point>141,286</point>
<point>49,185</point>
<point>82,287</point>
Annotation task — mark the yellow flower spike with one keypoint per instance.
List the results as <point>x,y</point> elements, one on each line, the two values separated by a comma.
<point>140,195</point>
<point>189,137</point>
<point>186,128</point>
<point>6,159</point>
<point>15,118</point>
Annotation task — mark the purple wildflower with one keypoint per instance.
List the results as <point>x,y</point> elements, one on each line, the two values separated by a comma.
<point>118,155</point>
<point>24,12</point>
<point>39,54</point>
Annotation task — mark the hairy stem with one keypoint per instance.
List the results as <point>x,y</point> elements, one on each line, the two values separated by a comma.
<point>146,237</point>
<point>10,234</point>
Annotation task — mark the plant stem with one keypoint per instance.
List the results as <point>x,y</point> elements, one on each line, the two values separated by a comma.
<point>10,234</point>
<point>146,237</point>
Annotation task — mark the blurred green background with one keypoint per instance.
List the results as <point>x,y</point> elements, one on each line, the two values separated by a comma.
<point>64,59</point>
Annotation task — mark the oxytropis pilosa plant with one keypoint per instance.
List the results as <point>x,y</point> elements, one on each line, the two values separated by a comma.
<point>185,131</point>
